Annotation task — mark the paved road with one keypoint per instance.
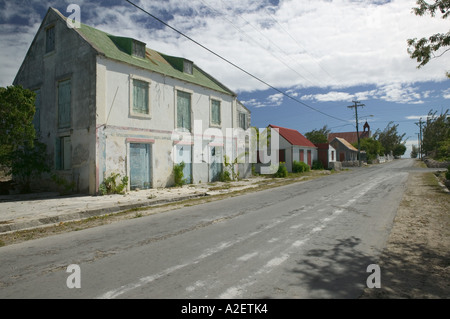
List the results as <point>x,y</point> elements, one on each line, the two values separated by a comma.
<point>306,240</point>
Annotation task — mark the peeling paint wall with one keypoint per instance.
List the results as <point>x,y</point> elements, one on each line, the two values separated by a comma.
<point>72,59</point>
<point>117,126</point>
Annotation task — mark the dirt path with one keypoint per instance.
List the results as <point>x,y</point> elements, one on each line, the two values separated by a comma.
<point>416,260</point>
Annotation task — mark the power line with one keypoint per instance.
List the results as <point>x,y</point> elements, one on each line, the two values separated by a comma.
<point>233,64</point>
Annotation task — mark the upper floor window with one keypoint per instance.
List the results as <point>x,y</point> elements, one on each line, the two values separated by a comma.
<point>138,49</point>
<point>184,110</point>
<point>215,112</point>
<point>50,39</point>
<point>243,120</point>
<point>64,104</point>
<point>140,97</point>
<point>188,67</point>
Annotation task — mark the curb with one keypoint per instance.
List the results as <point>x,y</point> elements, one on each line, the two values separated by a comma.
<point>76,216</point>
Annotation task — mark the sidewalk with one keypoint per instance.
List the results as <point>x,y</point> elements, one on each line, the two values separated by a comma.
<point>18,212</point>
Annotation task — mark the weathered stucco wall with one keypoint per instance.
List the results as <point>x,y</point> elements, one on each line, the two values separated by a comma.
<point>117,126</point>
<point>72,59</point>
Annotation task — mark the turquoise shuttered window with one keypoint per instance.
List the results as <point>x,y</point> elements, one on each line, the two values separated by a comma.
<point>64,104</point>
<point>243,120</point>
<point>63,153</point>
<point>140,97</point>
<point>50,39</point>
<point>183,110</point>
<point>215,112</point>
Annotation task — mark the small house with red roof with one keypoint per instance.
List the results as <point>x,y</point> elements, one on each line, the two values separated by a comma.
<point>293,146</point>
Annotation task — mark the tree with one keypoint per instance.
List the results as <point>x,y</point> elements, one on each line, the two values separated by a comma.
<point>424,50</point>
<point>399,150</point>
<point>16,121</point>
<point>372,148</point>
<point>29,162</point>
<point>436,136</point>
<point>414,152</point>
<point>318,136</point>
<point>390,139</point>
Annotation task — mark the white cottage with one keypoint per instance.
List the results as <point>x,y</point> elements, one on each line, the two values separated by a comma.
<point>108,104</point>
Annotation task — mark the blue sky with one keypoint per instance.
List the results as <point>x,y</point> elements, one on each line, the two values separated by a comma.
<point>322,53</point>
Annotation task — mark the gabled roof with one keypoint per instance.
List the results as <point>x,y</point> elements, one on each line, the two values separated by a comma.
<point>294,137</point>
<point>110,46</point>
<point>345,143</point>
<point>351,137</point>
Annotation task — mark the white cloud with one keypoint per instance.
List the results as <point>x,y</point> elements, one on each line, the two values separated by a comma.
<point>397,93</point>
<point>416,117</point>
<point>328,97</point>
<point>446,94</point>
<point>299,44</point>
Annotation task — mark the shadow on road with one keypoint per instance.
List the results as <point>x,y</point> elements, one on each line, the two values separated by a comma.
<point>341,272</point>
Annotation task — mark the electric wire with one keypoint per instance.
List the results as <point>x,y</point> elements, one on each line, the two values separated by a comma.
<point>233,64</point>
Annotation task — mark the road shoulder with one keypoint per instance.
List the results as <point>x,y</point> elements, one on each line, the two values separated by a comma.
<point>416,261</point>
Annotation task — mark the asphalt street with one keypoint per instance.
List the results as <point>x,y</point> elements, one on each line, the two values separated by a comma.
<point>312,239</point>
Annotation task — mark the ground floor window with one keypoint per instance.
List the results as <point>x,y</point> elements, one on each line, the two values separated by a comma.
<point>63,153</point>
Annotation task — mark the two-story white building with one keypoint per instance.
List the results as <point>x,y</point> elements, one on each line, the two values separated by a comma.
<point>108,104</point>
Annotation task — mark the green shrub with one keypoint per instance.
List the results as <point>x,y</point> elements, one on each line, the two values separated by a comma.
<point>110,186</point>
<point>282,170</point>
<point>447,174</point>
<point>178,174</point>
<point>299,167</point>
<point>225,176</point>
<point>317,165</point>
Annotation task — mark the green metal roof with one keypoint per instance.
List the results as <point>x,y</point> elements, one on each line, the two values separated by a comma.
<point>118,48</point>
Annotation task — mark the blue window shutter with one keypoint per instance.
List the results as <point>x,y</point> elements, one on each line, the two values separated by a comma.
<point>184,110</point>
<point>64,104</point>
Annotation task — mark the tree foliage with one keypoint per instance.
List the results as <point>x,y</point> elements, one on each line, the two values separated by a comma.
<point>390,140</point>
<point>318,136</point>
<point>436,136</point>
<point>424,49</point>
<point>28,163</point>
<point>372,148</point>
<point>414,151</point>
<point>16,121</point>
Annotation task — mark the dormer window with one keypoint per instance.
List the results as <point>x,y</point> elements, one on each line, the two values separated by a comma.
<point>187,67</point>
<point>138,49</point>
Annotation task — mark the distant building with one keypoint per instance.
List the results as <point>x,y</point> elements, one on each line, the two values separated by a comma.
<point>293,146</point>
<point>326,154</point>
<point>346,152</point>
<point>352,137</point>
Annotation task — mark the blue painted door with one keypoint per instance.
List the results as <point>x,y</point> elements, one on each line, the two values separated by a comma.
<point>215,163</point>
<point>184,154</point>
<point>140,167</point>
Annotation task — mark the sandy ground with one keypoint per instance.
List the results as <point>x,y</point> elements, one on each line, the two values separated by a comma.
<point>416,261</point>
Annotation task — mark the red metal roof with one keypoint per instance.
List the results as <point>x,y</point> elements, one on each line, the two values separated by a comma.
<point>350,137</point>
<point>292,136</point>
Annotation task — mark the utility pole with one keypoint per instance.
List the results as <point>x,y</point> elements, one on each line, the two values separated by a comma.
<point>356,105</point>
<point>420,137</point>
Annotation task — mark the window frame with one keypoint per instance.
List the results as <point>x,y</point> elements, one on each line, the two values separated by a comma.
<point>183,91</point>
<point>246,120</point>
<point>53,48</point>
<point>61,156</point>
<point>64,125</point>
<point>211,119</point>
<point>188,67</point>
<point>132,111</point>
